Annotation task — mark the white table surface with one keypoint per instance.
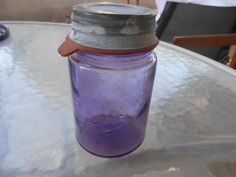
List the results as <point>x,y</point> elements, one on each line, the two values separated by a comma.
<point>191,126</point>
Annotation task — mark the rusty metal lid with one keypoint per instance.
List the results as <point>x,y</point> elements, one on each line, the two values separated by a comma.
<point>110,27</point>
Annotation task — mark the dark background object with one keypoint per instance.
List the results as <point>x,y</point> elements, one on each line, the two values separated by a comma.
<point>4,32</point>
<point>180,19</point>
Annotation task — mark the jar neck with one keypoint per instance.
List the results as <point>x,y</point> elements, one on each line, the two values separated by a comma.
<point>106,61</point>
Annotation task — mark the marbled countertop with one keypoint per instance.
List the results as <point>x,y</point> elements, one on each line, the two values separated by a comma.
<point>191,127</point>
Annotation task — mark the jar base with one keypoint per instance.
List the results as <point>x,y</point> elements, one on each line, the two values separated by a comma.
<point>109,156</point>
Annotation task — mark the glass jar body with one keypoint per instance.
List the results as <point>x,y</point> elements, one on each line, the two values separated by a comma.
<point>111,97</point>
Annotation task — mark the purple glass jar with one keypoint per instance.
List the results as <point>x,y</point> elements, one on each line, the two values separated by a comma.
<point>112,68</point>
<point>111,96</point>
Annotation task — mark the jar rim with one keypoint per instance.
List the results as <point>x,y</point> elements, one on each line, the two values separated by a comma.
<point>68,47</point>
<point>114,62</point>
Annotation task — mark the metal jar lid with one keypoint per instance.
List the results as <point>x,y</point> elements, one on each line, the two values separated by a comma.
<point>110,27</point>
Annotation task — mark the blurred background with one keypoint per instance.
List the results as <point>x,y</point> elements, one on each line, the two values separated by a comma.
<point>47,10</point>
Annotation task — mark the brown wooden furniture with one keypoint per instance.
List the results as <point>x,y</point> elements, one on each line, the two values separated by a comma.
<point>136,1</point>
<point>186,19</point>
<point>202,41</point>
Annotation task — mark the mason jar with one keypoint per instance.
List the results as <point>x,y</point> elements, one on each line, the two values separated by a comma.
<point>112,74</point>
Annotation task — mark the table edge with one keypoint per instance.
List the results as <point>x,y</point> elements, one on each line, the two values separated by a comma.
<point>36,22</point>
<point>162,43</point>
